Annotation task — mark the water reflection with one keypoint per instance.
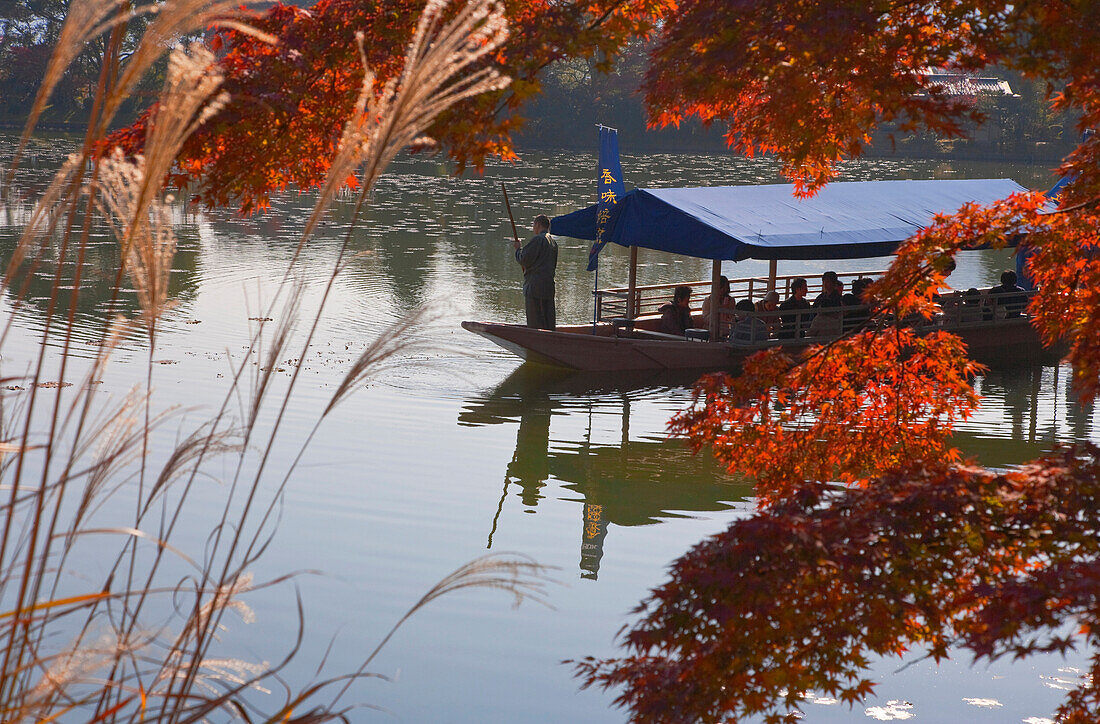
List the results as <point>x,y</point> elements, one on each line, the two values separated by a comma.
<point>47,267</point>
<point>641,480</point>
<point>1026,410</point>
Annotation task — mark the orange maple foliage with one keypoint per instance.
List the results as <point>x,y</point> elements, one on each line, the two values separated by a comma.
<point>905,389</point>
<point>810,79</point>
<point>288,102</point>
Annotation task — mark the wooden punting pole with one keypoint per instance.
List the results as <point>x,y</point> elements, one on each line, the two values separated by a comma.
<point>632,285</point>
<point>715,307</point>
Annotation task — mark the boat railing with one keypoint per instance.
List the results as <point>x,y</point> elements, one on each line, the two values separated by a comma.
<point>970,309</point>
<point>614,302</point>
<point>959,310</point>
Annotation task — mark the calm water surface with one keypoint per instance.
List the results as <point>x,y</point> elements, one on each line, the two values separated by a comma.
<point>456,448</point>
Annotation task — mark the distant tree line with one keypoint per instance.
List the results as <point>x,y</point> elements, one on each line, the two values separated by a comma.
<point>577,95</point>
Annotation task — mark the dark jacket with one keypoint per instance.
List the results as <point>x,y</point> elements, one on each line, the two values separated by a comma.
<point>854,318</point>
<point>539,259</point>
<point>1012,298</point>
<point>674,319</point>
<point>792,324</point>
<point>828,300</point>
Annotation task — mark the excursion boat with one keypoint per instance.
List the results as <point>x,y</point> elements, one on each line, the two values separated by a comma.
<point>852,220</point>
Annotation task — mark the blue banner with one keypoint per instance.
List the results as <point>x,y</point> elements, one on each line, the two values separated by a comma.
<point>1055,192</point>
<point>609,184</point>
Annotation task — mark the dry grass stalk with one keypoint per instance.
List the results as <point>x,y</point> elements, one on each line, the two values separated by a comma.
<point>113,442</point>
<point>387,120</point>
<point>144,233</point>
<point>226,598</point>
<point>186,456</point>
<point>513,573</point>
<point>174,19</point>
<point>73,666</point>
<point>275,350</point>
<point>186,102</point>
<point>203,622</point>
<point>130,189</point>
<point>398,338</point>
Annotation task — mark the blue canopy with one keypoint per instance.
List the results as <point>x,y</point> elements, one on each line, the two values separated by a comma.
<point>843,221</point>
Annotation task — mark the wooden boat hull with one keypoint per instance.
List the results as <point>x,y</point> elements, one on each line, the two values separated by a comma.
<point>573,348</point>
<point>1006,342</point>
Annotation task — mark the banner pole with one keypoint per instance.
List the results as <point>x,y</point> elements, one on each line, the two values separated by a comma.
<point>515,234</point>
<point>595,296</point>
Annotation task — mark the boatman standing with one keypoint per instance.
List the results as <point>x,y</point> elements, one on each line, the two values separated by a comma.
<point>539,259</point>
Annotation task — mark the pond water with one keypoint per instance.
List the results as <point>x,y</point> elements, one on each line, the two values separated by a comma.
<point>456,448</point>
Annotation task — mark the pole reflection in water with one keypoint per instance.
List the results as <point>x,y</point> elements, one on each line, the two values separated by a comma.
<point>629,482</point>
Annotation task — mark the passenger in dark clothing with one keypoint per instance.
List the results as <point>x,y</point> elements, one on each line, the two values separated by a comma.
<point>830,290</point>
<point>749,327</point>
<point>539,259</point>
<point>855,318</point>
<point>971,309</point>
<point>827,318</point>
<point>791,325</point>
<point>676,315</point>
<point>1008,298</point>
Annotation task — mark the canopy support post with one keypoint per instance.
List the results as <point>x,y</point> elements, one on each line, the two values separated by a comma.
<point>715,308</point>
<point>773,267</point>
<point>632,285</point>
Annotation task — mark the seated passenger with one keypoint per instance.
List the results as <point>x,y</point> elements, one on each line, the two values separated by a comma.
<point>768,308</point>
<point>946,296</point>
<point>749,328</point>
<point>971,309</point>
<point>855,297</point>
<point>831,288</point>
<point>950,304</point>
<point>826,322</point>
<point>675,315</point>
<point>792,325</point>
<point>1009,299</point>
<point>856,318</point>
<point>725,303</point>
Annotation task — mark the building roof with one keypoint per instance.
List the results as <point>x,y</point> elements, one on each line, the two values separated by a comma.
<point>961,84</point>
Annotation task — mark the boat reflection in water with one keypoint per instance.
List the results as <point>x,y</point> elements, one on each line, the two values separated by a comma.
<point>1026,411</point>
<point>644,478</point>
<point>636,481</point>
